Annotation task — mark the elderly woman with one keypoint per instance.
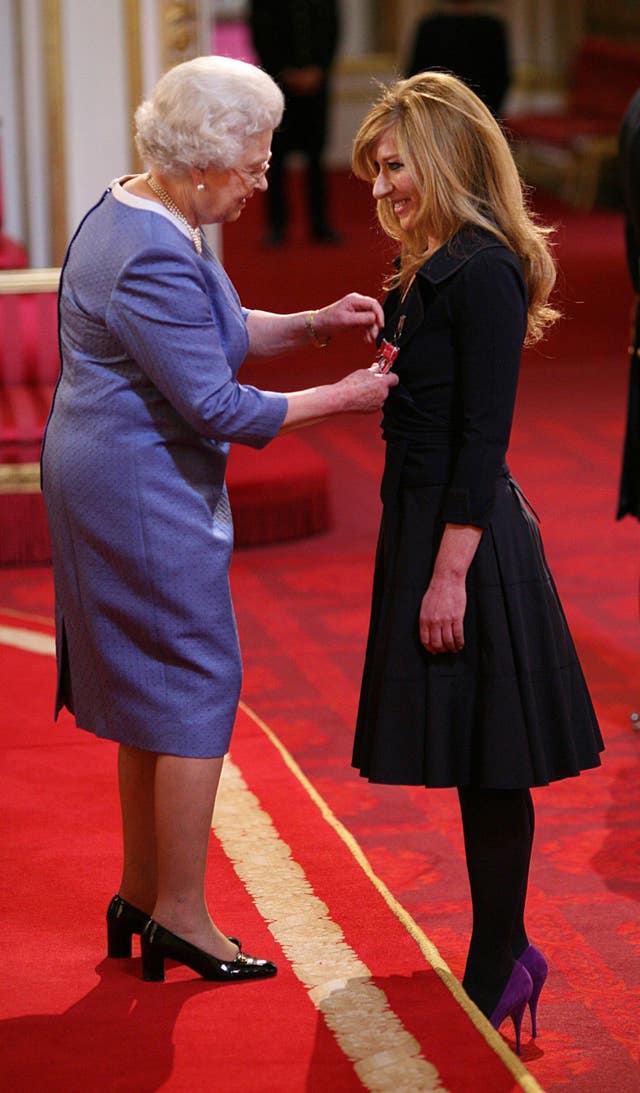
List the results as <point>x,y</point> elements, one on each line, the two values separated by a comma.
<point>152,335</point>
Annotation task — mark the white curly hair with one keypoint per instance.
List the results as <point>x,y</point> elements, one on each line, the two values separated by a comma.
<point>202,112</point>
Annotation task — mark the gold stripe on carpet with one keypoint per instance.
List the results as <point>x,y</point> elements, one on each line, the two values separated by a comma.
<point>384,1054</point>
<point>511,1061</point>
<point>29,640</point>
<point>42,620</point>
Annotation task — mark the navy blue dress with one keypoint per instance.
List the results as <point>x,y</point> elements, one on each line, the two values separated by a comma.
<point>512,709</point>
<point>152,336</point>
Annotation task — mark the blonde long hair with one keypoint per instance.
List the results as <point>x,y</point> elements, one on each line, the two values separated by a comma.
<point>460,161</point>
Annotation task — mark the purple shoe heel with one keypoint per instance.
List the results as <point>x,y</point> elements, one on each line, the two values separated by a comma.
<point>514,1000</point>
<point>535,963</point>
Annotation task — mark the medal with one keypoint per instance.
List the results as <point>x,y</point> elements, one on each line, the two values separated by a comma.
<point>388,351</point>
<point>385,356</point>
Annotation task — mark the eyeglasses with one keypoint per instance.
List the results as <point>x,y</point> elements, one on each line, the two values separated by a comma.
<point>254,176</point>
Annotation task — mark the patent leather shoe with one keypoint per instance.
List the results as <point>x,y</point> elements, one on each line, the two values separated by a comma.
<point>513,1001</point>
<point>158,944</point>
<point>123,921</point>
<point>533,960</point>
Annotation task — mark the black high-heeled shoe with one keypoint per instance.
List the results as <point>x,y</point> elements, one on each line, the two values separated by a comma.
<point>158,945</point>
<point>123,921</point>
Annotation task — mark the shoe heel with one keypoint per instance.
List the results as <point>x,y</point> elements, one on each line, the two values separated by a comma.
<point>152,962</point>
<point>514,1000</point>
<point>118,940</point>
<point>123,921</point>
<point>516,1017</point>
<point>533,1010</point>
<point>535,963</point>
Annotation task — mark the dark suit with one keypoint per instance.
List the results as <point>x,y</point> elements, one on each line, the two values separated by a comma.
<point>292,37</point>
<point>473,47</point>
<point>629,157</point>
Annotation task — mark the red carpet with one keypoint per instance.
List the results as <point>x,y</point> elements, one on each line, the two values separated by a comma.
<point>302,610</point>
<point>72,1020</point>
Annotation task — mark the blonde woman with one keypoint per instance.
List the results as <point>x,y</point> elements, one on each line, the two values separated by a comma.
<point>471,678</point>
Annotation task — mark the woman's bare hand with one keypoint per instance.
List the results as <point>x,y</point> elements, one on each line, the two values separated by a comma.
<point>445,601</point>
<point>442,616</point>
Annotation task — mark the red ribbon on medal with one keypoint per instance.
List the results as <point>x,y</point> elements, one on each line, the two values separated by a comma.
<point>385,356</point>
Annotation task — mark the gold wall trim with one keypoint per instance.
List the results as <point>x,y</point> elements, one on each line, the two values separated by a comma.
<point>29,280</point>
<point>367,64</point>
<point>53,67</point>
<point>179,31</point>
<point>18,23</point>
<point>133,47</point>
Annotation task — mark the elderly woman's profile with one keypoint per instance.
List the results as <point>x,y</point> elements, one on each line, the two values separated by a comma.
<point>152,335</point>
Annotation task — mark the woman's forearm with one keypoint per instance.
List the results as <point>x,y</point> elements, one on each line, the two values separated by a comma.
<point>457,547</point>
<point>361,392</point>
<point>270,334</point>
<point>444,603</point>
<point>314,404</point>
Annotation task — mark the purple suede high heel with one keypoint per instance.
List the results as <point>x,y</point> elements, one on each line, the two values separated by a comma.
<point>514,999</point>
<point>535,963</point>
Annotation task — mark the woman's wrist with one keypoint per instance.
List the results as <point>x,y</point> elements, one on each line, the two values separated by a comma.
<point>318,340</point>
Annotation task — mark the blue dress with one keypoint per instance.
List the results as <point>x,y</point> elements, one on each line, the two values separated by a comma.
<point>151,338</point>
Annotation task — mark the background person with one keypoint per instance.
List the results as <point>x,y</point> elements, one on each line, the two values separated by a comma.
<point>629,160</point>
<point>470,44</point>
<point>296,42</point>
<point>152,336</point>
<point>471,678</point>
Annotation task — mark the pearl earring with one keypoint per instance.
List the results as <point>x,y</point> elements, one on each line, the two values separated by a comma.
<point>200,186</point>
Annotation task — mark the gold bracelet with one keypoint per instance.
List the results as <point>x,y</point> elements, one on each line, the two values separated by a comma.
<point>308,322</point>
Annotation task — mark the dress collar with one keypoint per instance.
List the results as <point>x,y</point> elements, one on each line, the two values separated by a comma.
<point>449,258</point>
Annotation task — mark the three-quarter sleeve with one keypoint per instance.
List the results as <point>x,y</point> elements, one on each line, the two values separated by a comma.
<point>489,317</point>
<point>161,313</point>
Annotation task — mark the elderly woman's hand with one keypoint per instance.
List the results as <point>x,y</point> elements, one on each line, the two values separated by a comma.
<point>362,391</point>
<point>350,312</point>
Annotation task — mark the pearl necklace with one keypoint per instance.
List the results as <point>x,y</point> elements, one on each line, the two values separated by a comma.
<point>173,208</point>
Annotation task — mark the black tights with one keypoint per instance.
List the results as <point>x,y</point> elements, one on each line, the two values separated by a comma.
<point>498,827</point>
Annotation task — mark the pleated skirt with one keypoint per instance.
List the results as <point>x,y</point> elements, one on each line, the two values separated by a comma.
<point>512,709</point>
